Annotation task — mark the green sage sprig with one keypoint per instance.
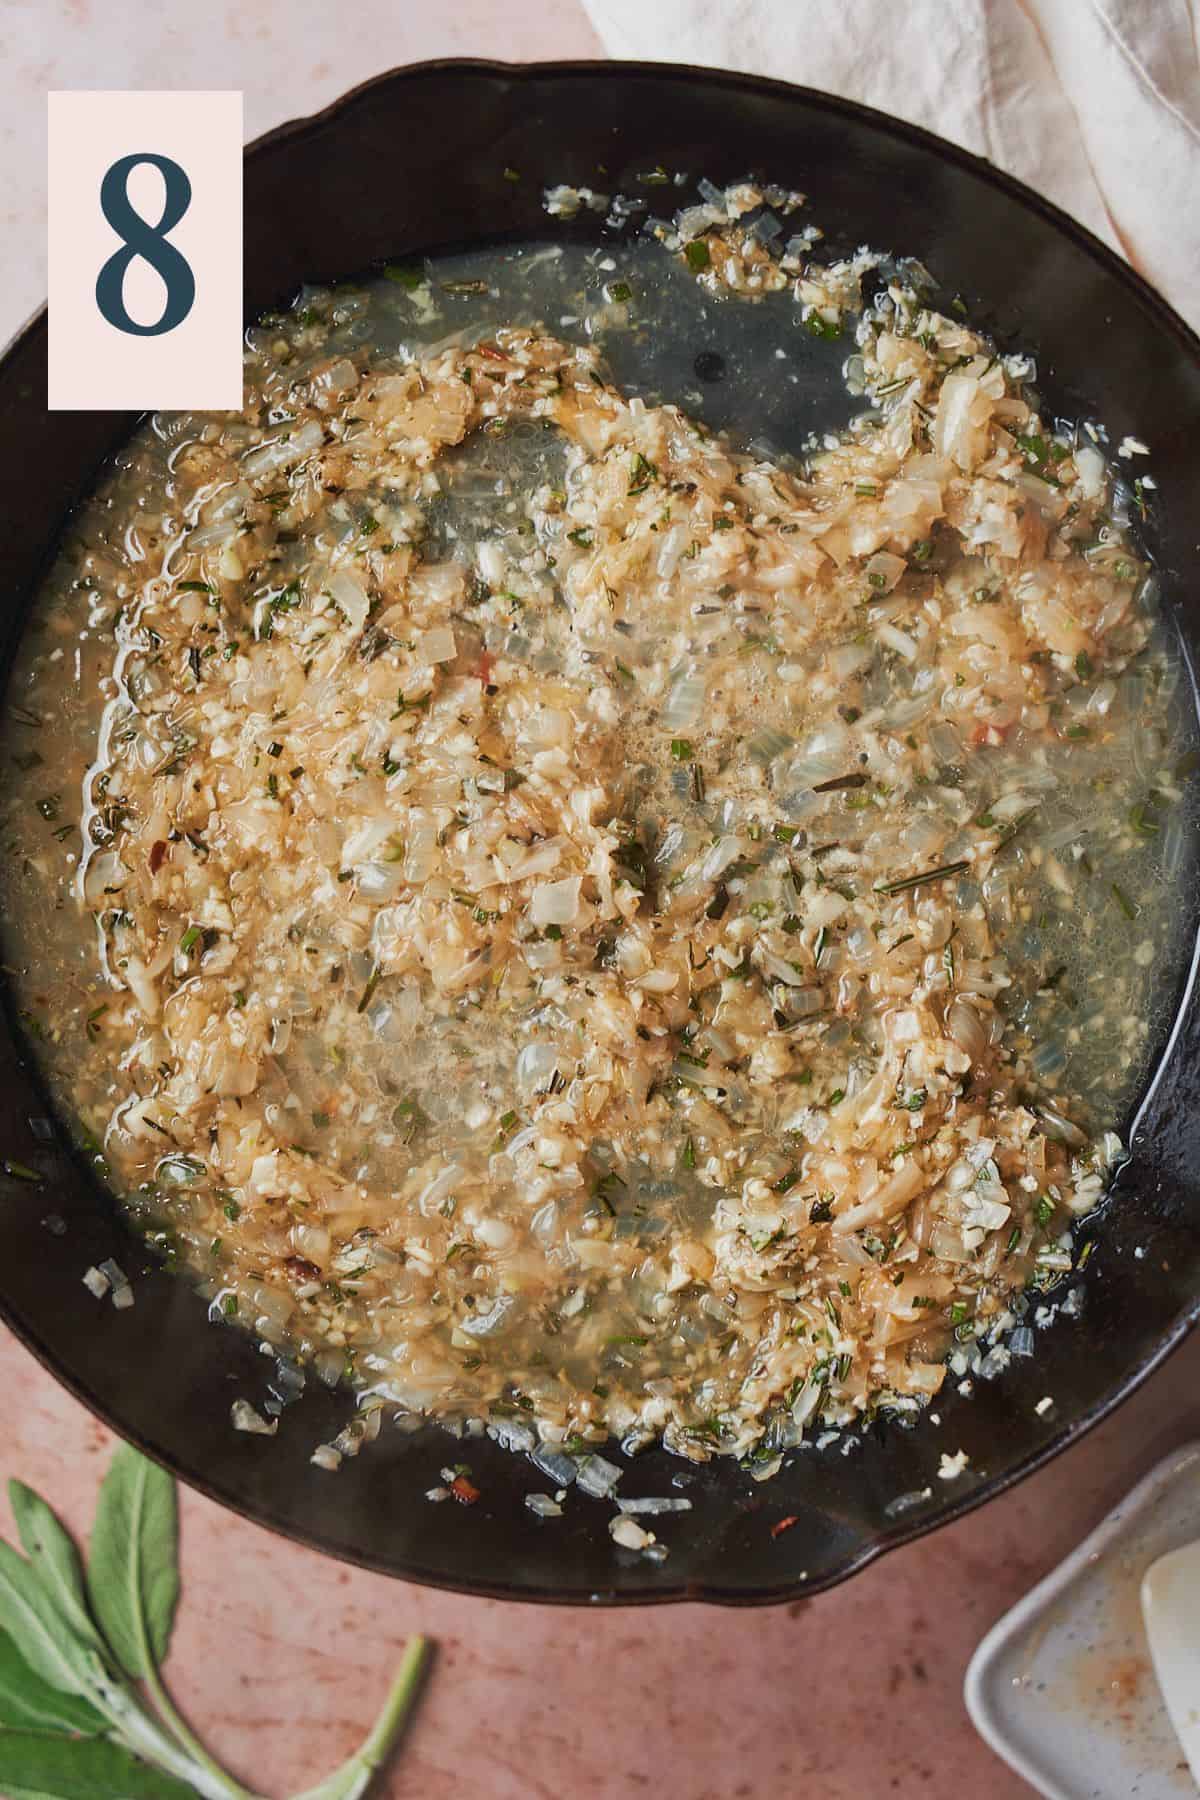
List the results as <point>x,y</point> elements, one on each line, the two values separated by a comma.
<point>83,1708</point>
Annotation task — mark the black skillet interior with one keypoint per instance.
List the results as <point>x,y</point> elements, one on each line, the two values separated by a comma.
<point>415,162</point>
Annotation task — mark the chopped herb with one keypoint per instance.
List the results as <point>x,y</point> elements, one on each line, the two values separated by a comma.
<point>838,782</point>
<point>20,1171</point>
<point>698,256</point>
<point>1129,907</point>
<point>908,882</point>
<point>641,473</point>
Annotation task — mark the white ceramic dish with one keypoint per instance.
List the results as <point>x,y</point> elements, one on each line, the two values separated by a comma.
<point>1062,1687</point>
<point>1171,1613</point>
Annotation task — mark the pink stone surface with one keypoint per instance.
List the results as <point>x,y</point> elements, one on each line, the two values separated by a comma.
<point>289,57</point>
<point>282,1656</point>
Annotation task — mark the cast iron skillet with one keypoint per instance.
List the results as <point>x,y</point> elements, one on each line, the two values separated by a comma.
<point>415,162</point>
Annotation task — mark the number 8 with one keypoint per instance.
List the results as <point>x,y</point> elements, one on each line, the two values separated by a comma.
<point>147,241</point>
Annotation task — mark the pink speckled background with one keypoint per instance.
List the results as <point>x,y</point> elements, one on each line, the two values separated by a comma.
<point>282,1656</point>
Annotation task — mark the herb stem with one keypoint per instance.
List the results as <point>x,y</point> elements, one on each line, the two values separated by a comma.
<point>206,1774</point>
<point>134,1727</point>
<point>907,882</point>
<point>219,1785</point>
<point>351,1781</point>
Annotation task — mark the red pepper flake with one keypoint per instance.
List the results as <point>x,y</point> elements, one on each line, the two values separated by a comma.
<point>464,1491</point>
<point>491,352</point>
<point>487,663</point>
<point>785,1525</point>
<point>300,1269</point>
<point>157,852</point>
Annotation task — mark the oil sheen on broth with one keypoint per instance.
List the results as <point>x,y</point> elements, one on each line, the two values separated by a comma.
<point>584,916</point>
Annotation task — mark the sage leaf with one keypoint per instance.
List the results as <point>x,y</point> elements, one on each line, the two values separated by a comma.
<point>133,1567</point>
<point>54,1560</point>
<point>28,1703</point>
<point>48,1643</point>
<point>66,1768</point>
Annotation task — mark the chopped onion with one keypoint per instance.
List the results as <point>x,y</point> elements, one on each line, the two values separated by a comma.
<point>104,872</point>
<point>598,1477</point>
<point>437,646</point>
<point>1057,1125</point>
<point>208,537</point>
<point>543,1506</point>
<point>966,1028</point>
<point>1089,467</point>
<point>555,1465</point>
<point>283,452</point>
<point>944,741</point>
<point>654,1503</point>
<point>767,744</point>
<point>351,597</point>
<point>483,1324</point>
<point>555,902</point>
<point>725,851</point>
<point>846,660</point>
<point>629,1534</point>
<point>898,640</point>
<point>244,1417</point>
<point>122,1292</point>
<point>512,1434</point>
<point>422,848</point>
<point>684,702</point>
<point>378,881</point>
<point>536,1065</point>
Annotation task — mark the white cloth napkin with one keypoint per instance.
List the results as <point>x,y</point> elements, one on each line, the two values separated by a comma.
<point>1095,103</point>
